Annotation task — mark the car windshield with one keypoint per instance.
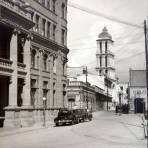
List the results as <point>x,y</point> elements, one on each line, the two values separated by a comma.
<point>63,113</point>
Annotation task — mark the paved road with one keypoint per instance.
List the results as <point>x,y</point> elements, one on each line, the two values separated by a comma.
<point>107,130</point>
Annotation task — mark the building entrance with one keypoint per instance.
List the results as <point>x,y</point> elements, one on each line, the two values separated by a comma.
<point>139,105</point>
<point>4,92</point>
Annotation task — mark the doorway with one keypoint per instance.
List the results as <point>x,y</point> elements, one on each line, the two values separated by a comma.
<point>139,105</point>
<point>4,94</point>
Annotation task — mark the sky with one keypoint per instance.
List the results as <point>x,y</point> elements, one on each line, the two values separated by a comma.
<point>84,28</point>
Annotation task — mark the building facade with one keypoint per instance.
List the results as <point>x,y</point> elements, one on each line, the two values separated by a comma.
<point>81,96</point>
<point>137,90</point>
<point>33,57</point>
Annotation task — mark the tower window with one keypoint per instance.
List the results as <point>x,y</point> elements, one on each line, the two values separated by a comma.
<point>106,61</point>
<point>100,61</point>
<point>106,47</point>
<point>100,47</point>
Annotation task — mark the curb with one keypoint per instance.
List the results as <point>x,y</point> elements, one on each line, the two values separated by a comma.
<point>23,130</point>
<point>145,126</point>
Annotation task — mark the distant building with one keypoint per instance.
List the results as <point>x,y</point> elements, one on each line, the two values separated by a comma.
<point>81,96</point>
<point>104,55</point>
<point>105,61</point>
<point>137,90</point>
<point>33,58</point>
<point>78,92</point>
<point>124,89</point>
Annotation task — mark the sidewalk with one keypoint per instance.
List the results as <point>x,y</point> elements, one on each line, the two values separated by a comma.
<point>8,131</point>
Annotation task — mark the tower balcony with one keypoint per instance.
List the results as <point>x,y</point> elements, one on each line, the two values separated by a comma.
<point>105,53</point>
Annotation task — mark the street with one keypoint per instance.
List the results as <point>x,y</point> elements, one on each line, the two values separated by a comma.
<point>106,130</point>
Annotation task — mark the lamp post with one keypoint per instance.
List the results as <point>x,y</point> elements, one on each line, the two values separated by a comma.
<point>120,96</point>
<point>44,106</point>
<point>86,74</point>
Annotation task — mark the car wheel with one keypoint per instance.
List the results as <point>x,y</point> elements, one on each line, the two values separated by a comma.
<point>57,124</point>
<point>90,119</point>
<point>72,122</point>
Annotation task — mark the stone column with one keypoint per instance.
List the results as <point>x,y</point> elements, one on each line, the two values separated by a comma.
<point>13,79</point>
<point>59,86</point>
<point>26,114</point>
<point>12,111</point>
<point>27,61</point>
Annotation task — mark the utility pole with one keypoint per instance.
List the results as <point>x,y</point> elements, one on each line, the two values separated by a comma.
<point>146,53</point>
<point>107,96</point>
<point>86,74</point>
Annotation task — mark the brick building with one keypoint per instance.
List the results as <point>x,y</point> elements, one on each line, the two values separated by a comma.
<point>33,58</point>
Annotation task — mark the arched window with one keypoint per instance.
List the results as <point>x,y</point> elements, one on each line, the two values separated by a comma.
<point>63,10</point>
<point>33,59</point>
<point>54,65</point>
<point>45,61</point>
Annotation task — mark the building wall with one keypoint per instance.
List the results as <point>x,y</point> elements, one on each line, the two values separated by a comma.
<point>137,86</point>
<point>77,91</point>
<point>42,72</point>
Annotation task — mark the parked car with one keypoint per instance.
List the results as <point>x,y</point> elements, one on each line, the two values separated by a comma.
<point>83,115</point>
<point>66,116</point>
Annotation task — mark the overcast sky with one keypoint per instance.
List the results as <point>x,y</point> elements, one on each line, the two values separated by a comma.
<point>83,30</point>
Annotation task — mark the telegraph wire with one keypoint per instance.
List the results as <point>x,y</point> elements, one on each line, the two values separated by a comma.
<point>93,12</point>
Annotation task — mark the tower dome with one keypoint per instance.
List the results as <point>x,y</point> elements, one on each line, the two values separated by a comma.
<point>104,34</point>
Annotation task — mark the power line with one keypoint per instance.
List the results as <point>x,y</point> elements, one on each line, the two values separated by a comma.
<point>89,11</point>
<point>77,43</point>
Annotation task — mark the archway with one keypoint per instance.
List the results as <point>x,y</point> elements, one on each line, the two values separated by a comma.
<point>139,105</point>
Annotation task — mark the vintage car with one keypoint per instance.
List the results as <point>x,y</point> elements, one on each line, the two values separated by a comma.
<point>66,116</point>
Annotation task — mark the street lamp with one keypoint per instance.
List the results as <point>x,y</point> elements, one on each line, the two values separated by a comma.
<point>44,106</point>
<point>120,96</point>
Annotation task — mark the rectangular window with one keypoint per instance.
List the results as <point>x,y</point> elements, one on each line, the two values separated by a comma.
<point>33,83</point>
<point>54,65</point>
<point>37,23</point>
<point>43,2</point>
<point>63,37</point>
<point>53,5</point>
<point>45,84</point>
<point>45,62</point>
<point>54,32</point>
<point>63,10</point>
<point>43,27</point>
<point>48,4</point>
<point>48,29</point>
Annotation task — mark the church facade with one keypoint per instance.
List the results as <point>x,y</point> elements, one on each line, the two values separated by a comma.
<point>33,58</point>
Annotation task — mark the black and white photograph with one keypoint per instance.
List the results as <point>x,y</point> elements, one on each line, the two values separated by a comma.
<point>73,73</point>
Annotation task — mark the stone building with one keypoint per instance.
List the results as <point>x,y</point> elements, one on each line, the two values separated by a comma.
<point>105,62</point>
<point>104,55</point>
<point>80,95</point>
<point>137,90</point>
<point>33,57</point>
